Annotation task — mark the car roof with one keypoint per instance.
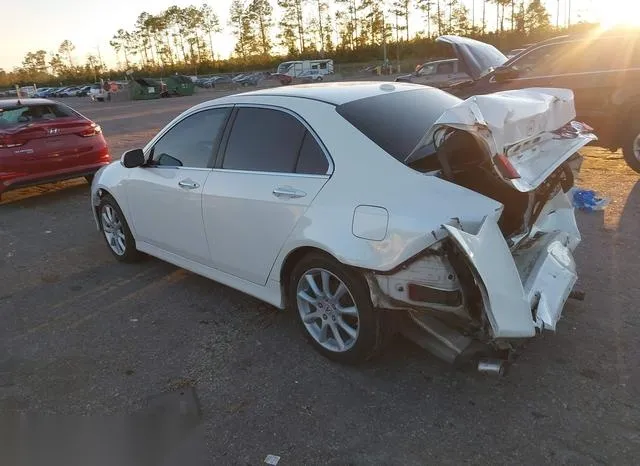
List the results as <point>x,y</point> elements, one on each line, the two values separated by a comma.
<point>336,93</point>
<point>445,60</point>
<point>26,102</point>
<point>615,33</point>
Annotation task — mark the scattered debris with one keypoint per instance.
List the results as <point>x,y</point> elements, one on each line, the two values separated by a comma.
<point>272,459</point>
<point>235,408</point>
<point>133,320</point>
<point>585,199</point>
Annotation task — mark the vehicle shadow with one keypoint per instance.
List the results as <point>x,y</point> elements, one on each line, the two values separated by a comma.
<point>43,194</point>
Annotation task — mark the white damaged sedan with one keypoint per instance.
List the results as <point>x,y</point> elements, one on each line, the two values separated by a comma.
<point>366,208</point>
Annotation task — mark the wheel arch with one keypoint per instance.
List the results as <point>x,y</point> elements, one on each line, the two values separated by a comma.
<point>289,263</point>
<point>100,193</point>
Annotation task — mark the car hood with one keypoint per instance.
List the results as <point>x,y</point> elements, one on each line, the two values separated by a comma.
<point>477,57</point>
<point>406,77</point>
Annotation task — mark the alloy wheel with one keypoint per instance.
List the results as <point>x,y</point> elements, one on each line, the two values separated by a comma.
<point>636,147</point>
<point>113,229</point>
<point>328,310</point>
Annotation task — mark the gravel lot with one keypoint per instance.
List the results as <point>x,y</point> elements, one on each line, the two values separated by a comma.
<point>83,334</point>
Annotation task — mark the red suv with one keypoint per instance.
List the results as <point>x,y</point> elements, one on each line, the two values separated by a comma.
<point>43,141</point>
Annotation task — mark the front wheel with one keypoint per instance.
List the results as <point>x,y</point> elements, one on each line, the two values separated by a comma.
<point>334,310</point>
<point>116,231</point>
<point>631,148</point>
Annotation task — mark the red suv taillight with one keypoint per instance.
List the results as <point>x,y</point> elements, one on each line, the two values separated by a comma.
<point>10,141</point>
<point>92,130</point>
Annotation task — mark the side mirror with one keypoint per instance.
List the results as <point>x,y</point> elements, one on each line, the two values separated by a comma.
<point>133,158</point>
<point>505,74</point>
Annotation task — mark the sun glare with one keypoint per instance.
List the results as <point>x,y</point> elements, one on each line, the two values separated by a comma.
<point>619,13</point>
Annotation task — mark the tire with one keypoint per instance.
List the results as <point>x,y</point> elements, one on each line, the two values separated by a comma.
<point>89,179</point>
<point>368,327</point>
<point>631,139</point>
<point>123,245</point>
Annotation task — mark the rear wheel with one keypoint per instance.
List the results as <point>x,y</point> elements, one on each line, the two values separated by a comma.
<point>89,178</point>
<point>116,231</point>
<point>334,310</point>
<point>631,148</point>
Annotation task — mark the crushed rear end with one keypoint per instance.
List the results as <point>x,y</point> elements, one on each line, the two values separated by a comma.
<point>506,278</point>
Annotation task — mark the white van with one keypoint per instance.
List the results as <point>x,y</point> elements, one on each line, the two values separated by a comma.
<point>297,67</point>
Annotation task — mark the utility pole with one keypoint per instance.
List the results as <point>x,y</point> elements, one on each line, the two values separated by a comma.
<point>473,14</point>
<point>384,42</point>
<point>397,44</point>
<point>484,15</point>
<point>558,16</point>
<point>569,13</point>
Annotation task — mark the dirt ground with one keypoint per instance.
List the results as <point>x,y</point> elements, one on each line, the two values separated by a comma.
<point>83,334</point>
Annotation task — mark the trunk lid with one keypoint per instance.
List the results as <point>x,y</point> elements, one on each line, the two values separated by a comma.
<point>478,58</point>
<point>527,134</point>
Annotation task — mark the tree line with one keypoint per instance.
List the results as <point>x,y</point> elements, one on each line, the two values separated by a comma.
<point>182,39</point>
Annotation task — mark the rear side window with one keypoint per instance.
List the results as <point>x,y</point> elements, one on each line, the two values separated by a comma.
<point>445,68</point>
<point>397,121</point>
<point>311,159</point>
<point>269,140</point>
<point>614,54</point>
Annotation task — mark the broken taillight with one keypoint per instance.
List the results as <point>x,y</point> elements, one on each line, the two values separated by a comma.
<point>92,130</point>
<point>10,141</point>
<point>504,166</point>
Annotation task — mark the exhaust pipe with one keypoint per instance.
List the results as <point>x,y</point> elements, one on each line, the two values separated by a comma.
<point>496,367</point>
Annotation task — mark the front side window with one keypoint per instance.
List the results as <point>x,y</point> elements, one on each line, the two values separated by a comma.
<point>192,141</point>
<point>547,60</point>
<point>427,70</point>
<point>268,140</point>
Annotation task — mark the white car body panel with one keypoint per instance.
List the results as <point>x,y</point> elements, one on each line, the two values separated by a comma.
<point>175,223</point>
<point>247,224</point>
<point>373,216</point>
<point>505,303</point>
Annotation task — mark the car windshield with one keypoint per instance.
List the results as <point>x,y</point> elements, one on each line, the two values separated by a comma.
<point>16,115</point>
<point>398,120</point>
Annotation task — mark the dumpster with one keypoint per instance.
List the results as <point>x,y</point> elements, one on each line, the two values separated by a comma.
<point>179,85</point>
<point>144,89</point>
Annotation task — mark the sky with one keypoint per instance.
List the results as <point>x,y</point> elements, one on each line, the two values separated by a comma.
<point>90,25</point>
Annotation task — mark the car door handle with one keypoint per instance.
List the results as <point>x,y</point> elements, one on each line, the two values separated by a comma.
<point>288,192</point>
<point>188,184</point>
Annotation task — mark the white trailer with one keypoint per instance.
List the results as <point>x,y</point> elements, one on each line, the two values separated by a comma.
<point>297,67</point>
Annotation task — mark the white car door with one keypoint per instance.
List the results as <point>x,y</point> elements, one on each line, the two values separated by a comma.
<point>272,169</point>
<point>165,195</point>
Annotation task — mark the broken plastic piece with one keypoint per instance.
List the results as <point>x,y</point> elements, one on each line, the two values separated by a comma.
<point>587,200</point>
<point>272,459</point>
